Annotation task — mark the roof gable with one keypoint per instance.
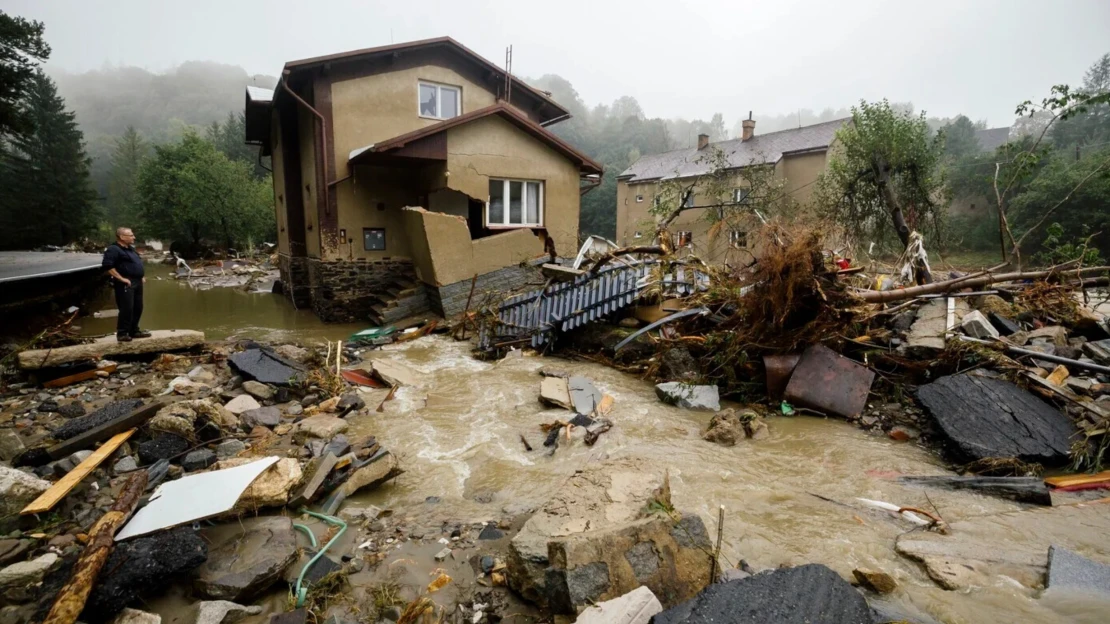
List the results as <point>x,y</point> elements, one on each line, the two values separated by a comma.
<point>760,149</point>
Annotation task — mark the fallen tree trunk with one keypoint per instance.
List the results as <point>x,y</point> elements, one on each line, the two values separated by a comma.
<point>71,598</point>
<point>887,296</point>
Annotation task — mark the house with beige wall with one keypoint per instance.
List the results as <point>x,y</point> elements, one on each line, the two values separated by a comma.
<point>402,172</point>
<point>798,156</point>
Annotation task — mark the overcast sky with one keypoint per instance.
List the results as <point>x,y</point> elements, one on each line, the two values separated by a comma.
<point>688,59</point>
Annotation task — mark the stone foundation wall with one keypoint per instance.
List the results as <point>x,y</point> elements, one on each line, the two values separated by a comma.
<point>450,300</point>
<point>343,291</point>
<point>294,280</point>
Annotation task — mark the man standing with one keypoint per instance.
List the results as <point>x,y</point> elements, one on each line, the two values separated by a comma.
<point>126,268</point>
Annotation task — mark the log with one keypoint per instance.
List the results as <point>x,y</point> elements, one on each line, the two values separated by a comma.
<point>159,341</point>
<point>1021,489</point>
<point>886,296</point>
<point>71,598</point>
<point>59,490</point>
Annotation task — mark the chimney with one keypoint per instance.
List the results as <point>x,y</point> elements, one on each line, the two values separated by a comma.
<point>703,141</point>
<point>749,127</point>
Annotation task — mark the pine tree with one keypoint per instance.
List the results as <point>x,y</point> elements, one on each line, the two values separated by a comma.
<point>21,47</point>
<point>50,199</point>
<point>127,158</point>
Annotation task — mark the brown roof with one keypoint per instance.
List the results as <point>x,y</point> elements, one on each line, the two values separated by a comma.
<point>585,164</point>
<point>444,42</point>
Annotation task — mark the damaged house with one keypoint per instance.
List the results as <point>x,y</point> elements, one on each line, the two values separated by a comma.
<point>401,172</point>
<point>798,156</point>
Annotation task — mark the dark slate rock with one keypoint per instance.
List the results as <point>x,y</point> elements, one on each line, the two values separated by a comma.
<point>985,417</point>
<point>644,560</point>
<point>323,567</point>
<point>580,420</point>
<point>690,532</point>
<point>162,446</point>
<point>1004,325</point>
<point>106,414</point>
<point>246,559</point>
<point>338,446</point>
<point>581,585</point>
<point>676,364</point>
<point>72,410</point>
<point>268,416</point>
<point>141,566</point>
<point>808,594</point>
<point>350,402</point>
<point>1068,571</point>
<point>50,405</point>
<point>264,366</point>
<point>199,460</point>
<point>491,532</point>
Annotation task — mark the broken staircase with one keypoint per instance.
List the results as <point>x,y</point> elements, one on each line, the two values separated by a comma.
<point>403,298</point>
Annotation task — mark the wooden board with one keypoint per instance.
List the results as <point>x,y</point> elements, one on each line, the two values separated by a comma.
<point>107,430</point>
<point>1078,479</point>
<point>58,491</point>
<point>72,379</point>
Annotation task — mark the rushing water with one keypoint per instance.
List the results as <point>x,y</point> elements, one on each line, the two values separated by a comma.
<point>458,437</point>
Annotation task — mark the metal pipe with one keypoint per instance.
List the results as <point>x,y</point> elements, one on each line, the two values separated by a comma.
<point>1037,355</point>
<point>321,141</point>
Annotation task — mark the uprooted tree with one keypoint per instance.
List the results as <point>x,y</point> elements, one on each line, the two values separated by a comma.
<point>884,166</point>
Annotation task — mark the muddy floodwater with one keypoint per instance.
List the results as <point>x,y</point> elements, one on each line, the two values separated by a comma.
<point>457,435</point>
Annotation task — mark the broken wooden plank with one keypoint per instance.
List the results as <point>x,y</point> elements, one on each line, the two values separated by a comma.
<point>78,377</point>
<point>1021,489</point>
<point>58,491</point>
<point>159,341</point>
<point>83,441</point>
<point>1078,479</point>
<point>1041,385</point>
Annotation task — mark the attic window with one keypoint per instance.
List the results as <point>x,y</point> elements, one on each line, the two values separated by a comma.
<point>514,203</point>
<point>439,101</point>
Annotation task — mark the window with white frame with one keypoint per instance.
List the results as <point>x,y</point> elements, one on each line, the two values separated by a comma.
<point>682,239</point>
<point>439,101</point>
<point>514,203</point>
<point>738,239</point>
<point>740,195</point>
<point>688,202</point>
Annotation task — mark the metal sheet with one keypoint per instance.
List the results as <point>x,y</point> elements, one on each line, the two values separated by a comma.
<point>778,370</point>
<point>194,497</point>
<point>829,383</point>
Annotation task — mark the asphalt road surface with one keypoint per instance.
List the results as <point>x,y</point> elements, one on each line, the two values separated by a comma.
<point>22,265</point>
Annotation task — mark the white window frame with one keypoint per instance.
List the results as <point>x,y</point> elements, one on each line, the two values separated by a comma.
<point>688,201</point>
<point>738,198</point>
<point>505,225</point>
<point>640,199</point>
<point>733,235</point>
<point>439,87</point>
<point>683,239</point>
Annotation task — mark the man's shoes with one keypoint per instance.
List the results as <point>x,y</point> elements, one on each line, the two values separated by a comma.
<point>140,333</point>
<point>123,338</point>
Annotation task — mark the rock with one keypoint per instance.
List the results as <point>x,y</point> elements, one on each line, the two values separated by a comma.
<point>985,417</point>
<point>73,409</point>
<point>214,413</point>
<point>49,405</point>
<point>162,446</point>
<point>688,396</point>
<point>106,414</point>
<point>635,607</point>
<point>442,555</point>
<point>977,326</point>
<point>258,390</point>
<point>223,612</point>
<point>1070,352</point>
<point>11,444</point>
<point>676,364</point>
<point>491,532</point>
<point>27,572</point>
<point>185,386</point>
<point>292,352</point>
<point>806,594</point>
<point>371,475</point>
<point>294,409</point>
<point>904,434</point>
<point>242,403</point>
<point>993,304</point>
<point>140,566</point>
<point>555,391</point>
<point>245,558</point>
<point>725,428</point>
<point>350,402</point>
<point>1054,333</point>
<point>202,375</point>
<point>229,448</point>
<point>584,396</point>
<point>324,427</point>
<point>12,549</point>
<point>124,465</point>
<point>177,418</point>
<point>902,322</point>
<point>878,582</point>
<point>269,416</point>
<point>394,373</point>
<point>1071,572</point>
<point>359,513</point>
<point>329,405</point>
<point>198,460</point>
<point>134,616</point>
<point>630,322</point>
<point>338,446</point>
<point>265,367</point>
<point>756,428</point>
<point>17,489</point>
<point>598,539</point>
<point>272,487</point>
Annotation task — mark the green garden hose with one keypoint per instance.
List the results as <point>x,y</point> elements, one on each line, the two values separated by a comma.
<point>302,592</point>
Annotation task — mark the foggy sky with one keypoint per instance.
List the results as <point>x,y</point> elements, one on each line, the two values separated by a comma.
<point>977,57</point>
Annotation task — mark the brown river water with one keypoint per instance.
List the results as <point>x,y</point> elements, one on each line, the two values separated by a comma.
<point>457,435</point>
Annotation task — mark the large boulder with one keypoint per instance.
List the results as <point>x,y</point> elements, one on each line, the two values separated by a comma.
<point>272,488</point>
<point>27,572</point>
<point>17,488</point>
<point>324,427</point>
<point>609,530</point>
<point>246,558</point>
<point>808,594</point>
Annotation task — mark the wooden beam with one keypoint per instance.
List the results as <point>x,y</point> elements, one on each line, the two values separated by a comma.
<point>107,430</point>
<point>58,491</point>
<point>72,379</point>
<point>1078,479</point>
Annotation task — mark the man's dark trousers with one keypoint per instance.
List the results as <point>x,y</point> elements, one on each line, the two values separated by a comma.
<point>129,300</point>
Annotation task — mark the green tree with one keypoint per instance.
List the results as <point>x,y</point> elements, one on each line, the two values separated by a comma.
<point>191,193</point>
<point>1092,124</point>
<point>21,50</point>
<point>885,169</point>
<point>959,138</point>
<point>230,136</point>
<point>127,158</point>
<point>47,196</point>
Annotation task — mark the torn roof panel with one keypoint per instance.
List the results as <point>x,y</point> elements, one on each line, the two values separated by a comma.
<point>259,95</point>
<point>759,150</point>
